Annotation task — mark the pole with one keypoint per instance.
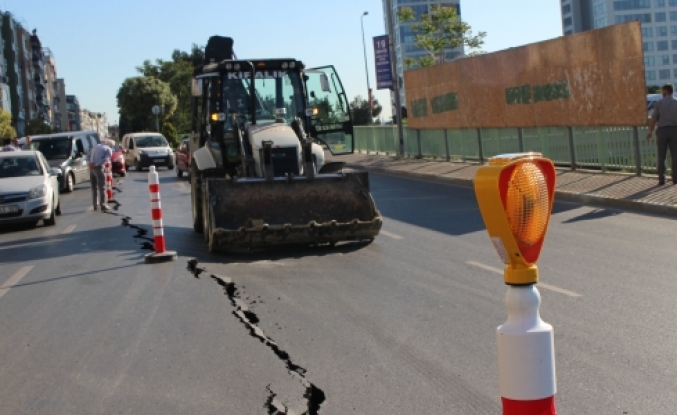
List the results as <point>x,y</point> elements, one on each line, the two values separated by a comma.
<point>526,356</point>
<point>366,68</point>
<point>161,253</point>
<point>396,77</point>
<point>157,123</point>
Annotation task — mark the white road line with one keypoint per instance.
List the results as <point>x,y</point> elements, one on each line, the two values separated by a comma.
<point>540,284</point>
<point>14,279</point>
<point>69,229</point>
<point>391,235</point>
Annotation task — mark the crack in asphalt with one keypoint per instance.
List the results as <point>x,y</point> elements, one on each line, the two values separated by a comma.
<point>313,395</point>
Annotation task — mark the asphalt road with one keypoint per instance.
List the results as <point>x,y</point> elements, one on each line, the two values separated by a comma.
<point>405,325</point>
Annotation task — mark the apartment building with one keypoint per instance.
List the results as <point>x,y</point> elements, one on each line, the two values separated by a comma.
<point>63,109</point>
<point>53,116</point>
<point>73,111</point>
<point>659,29</point>
<point>11,64</point>
<point>5,101</point>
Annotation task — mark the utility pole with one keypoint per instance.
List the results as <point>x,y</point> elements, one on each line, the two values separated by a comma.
<point>396,77</point>
<point>366,70</point>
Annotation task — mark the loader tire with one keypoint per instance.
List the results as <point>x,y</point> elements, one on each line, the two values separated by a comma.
<point>196,200</point>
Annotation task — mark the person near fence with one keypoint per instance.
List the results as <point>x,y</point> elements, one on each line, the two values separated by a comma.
<point>665,118</point>
<point>98,156</point>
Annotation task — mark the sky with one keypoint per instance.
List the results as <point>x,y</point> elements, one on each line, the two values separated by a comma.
<point>97,44</point>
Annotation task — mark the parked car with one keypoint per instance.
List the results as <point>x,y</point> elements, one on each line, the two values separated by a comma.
<point>118,157</point>
<point>68,152</point>
<point>145,149</point>
<point>183,158</point>
<point>29,188</point>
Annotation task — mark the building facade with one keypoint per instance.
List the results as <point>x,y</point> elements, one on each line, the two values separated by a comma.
<point>26,70</point>
<point>63,109</point>
<point>11,63</point>
<point>73,110</point>
<point>95,121</point>
<point>5,101</point>
<point>404,37</point>
<point>41,100</point>
<point>53,116</point>
<point>659,29</point>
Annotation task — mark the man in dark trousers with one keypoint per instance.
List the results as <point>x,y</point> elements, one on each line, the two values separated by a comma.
<point>665,117</point>
<point>98,156</point>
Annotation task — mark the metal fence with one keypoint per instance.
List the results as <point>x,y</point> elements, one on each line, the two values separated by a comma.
<point>603,148</point>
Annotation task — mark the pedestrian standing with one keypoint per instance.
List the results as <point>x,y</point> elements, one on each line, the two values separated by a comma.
<point>98,156</point>
<point>665,117</point>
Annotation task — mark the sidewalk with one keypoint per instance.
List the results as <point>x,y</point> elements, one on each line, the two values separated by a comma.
<point>622,191</point>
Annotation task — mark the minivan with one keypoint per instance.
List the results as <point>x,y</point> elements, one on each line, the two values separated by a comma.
<point>67,151</point>
<point>145,149</point>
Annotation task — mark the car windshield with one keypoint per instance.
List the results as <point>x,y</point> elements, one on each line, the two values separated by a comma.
<point>274,89</point>
<point>54,148</point>
<point>19,166</point>
<point>151,141</point>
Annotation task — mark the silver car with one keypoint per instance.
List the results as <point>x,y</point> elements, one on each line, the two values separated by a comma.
<point>29,189</point>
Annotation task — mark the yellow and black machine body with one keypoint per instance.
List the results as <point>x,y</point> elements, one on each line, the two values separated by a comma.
<point>259,175</point>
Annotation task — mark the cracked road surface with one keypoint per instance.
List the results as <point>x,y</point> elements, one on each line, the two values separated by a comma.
<point>405,325</point>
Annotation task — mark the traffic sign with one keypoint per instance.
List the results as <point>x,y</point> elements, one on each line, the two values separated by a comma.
<point>156,110</point>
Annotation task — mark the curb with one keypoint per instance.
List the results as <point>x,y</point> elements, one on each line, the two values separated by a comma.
<point>586,199</point>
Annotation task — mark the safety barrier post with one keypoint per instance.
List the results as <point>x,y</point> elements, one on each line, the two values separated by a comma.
<point>108,175</point>
<point>515,193</point>
<point>161,254</point>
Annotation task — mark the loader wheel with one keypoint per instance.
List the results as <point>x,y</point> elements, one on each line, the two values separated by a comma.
<point>196,200</point>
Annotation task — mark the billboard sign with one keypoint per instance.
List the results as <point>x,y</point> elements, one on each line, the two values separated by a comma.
<point>384,73</point>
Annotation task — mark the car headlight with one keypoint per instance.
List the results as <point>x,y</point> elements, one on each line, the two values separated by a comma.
<point>38,192</point>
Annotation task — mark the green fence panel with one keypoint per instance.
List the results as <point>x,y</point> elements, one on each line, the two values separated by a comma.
<point>552,142</point>
<point>499,141</point>
<point>432,144</point>
<point>457,145</point>
<point>410,142</point>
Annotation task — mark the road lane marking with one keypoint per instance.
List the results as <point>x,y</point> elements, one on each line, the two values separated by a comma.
<point>182,186</point>
<point>392,235</point>
<point>540,284</point>
<point>14,279</point>
<point>69,229</point>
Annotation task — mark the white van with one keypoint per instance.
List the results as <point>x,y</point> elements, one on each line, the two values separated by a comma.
<point>143,150</point>
<point>651,100</point>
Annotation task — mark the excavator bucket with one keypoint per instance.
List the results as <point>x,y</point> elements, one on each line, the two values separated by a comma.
<point>257,213</point>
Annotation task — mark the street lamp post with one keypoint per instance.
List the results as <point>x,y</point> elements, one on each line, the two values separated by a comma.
<point>366,69</point>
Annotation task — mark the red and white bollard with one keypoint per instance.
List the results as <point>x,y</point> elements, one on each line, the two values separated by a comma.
<point>108,174</point>
<point>526,356</point>
<point>161,254</point>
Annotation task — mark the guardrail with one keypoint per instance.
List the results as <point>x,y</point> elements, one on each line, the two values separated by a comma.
<point>603,148</point>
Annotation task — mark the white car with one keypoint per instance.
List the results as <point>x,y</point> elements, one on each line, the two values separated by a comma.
<point>143,150</point>
<point>29,188</point>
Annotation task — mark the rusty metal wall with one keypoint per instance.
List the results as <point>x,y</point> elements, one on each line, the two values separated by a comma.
<point>586,79</point>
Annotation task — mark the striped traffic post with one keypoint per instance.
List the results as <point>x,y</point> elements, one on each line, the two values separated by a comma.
<point>108,174</point>
<point>515,193</point>
<point>161,254</point>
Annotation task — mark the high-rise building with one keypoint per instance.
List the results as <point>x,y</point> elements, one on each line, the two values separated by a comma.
<point>5,100</point>
<point>405,46</point>
<point>25,59</point>
<point>39,78</point>
<point>659,29</point>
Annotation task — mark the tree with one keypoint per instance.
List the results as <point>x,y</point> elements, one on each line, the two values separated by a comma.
<point>438,31</point>
<point>653,89</point>
<point>178,75</point>
<point>137,96</point>
<point>36,127</point>
<point>169,132</point>
<point>6,129</point>
<point>359,109</point>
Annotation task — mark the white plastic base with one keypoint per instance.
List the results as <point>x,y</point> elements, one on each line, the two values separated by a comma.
<point>526,348</point>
